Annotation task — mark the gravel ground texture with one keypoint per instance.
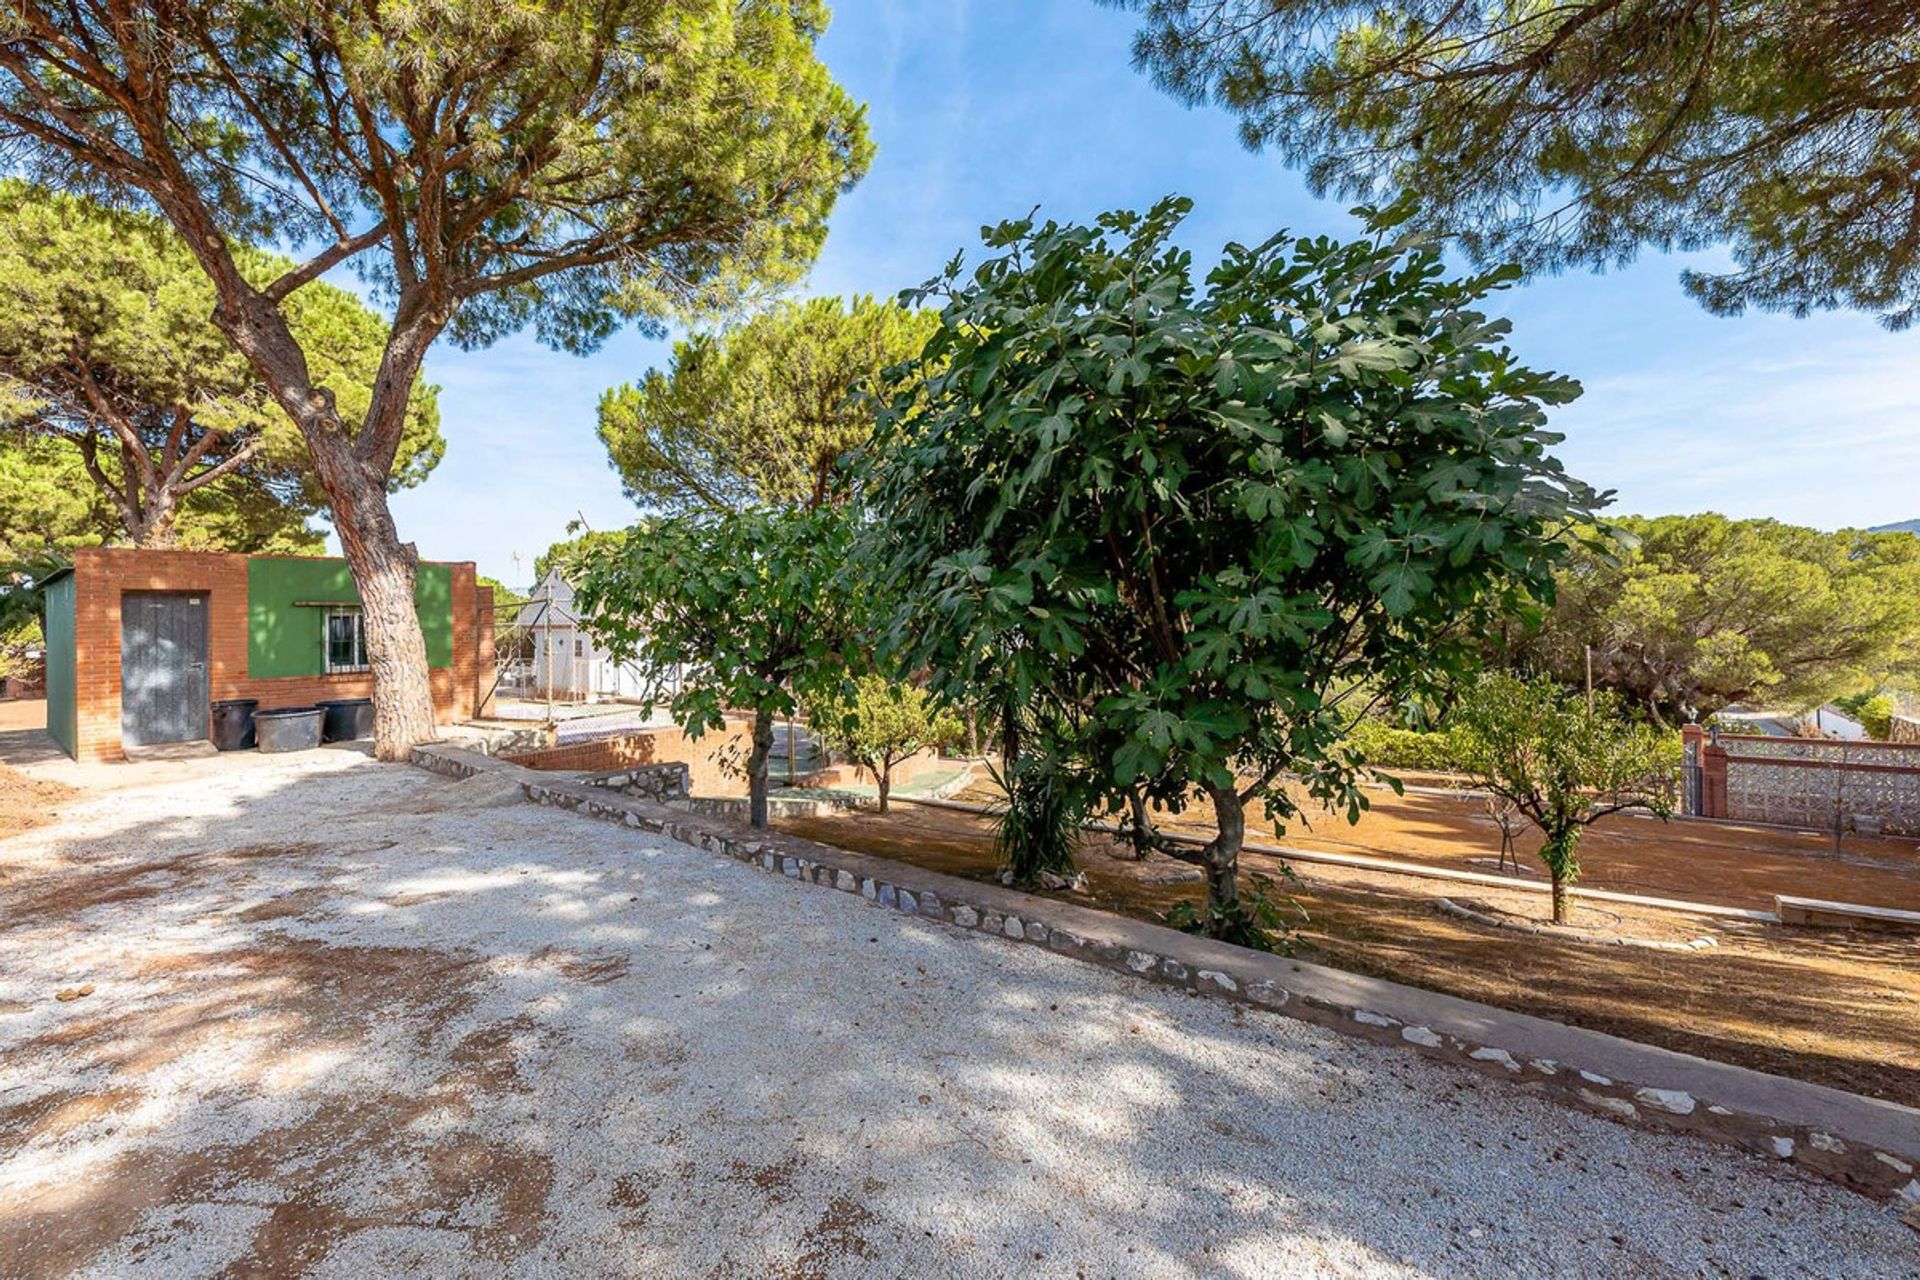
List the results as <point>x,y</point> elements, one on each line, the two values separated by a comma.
<point>334,1018</point>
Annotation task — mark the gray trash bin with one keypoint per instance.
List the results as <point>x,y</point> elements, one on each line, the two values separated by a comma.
<point>288,728</point>
<point>233,723</point>
<point>347,719</point>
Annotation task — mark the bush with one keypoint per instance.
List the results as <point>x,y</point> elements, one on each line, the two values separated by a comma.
<point>1873,711</point>
<point>1038,830</point>
<point>1264,921</point>
<point>1386,747</point>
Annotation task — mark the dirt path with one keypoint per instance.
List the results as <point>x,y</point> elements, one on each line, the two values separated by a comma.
<point>1842,1009</point>
<point>27,802</point>
<point>350,1020</point>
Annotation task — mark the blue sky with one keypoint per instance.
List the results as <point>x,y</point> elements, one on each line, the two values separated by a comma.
<point>984,110</point>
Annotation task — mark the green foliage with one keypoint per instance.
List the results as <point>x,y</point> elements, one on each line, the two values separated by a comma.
<point>1690,613</point>
<point>107,348</point>
<point>755,603</point>
<point>23,607</point>
<point>50,506</point>
<point>566,165</point>
<point>502,593</point>
<point>1562,763</point>
<point>14,662</point>
<point>1577,132</point>
<point>23,588</point>
<point>1387,747</point>
<point>579,547</point>
<point>1874,711</point>
<point>1038,828</point>
<point>1264,921</point>
<point>758,415</point>
<point>1186,519</point>
<point>878,723</point>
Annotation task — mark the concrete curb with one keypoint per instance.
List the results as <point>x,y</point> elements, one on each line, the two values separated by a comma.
<point>1862,1143</point>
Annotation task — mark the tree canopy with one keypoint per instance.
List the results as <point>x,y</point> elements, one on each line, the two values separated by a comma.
<point>50,506</point>
<point>485,167</point>
<point>1691,613</point>
<point>574,549</point>
<point>1205,513</point>
<point>758,414</point>
<point>107,345</point>
<point>1576,132</point>
<point>755,605</point>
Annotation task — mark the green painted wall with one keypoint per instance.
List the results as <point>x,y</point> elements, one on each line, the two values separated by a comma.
<point>61,707</point>
<point>286,637</point>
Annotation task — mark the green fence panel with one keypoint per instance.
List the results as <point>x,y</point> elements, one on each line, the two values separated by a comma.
<point>62,707</point>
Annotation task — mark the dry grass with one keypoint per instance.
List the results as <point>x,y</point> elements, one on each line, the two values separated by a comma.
<point>1726,863</point>
<point>1841,1009</point>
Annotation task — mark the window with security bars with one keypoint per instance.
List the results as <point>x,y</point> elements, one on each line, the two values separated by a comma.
<point>346,641</point>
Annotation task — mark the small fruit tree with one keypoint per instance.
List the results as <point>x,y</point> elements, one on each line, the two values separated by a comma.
<point>751,603</point>
<point>1563,761</point>
<point>877,724</point>
<point>1205,512</point>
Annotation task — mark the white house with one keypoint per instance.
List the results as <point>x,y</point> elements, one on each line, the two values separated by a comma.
<point>565,657</point>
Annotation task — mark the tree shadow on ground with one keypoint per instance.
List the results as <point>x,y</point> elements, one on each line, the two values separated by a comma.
<point>355,1019</point>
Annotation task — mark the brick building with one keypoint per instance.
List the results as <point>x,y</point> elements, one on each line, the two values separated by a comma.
<point>140,643</point>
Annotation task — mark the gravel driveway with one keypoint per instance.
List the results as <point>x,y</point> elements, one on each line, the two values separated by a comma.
<point>350,1019</point>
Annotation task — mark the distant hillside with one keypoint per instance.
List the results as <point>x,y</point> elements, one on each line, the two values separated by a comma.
<point>1905,526</point>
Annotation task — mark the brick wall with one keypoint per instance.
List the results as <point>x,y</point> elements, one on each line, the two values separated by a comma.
<point>716,761</point>
<point>849,774</point>
<point>102,574</point>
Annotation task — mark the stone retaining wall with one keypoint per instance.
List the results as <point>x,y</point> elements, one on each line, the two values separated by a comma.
<point>736,808</point>
<point>499,738</point>
<point>1863,1143</point>
<point>665,783</point>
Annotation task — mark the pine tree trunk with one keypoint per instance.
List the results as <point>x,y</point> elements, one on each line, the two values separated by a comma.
<point>384,568</point>
<point>757,768</point>
<point>155,531</point>
<point>1223,856</point>
<point>353,470</point>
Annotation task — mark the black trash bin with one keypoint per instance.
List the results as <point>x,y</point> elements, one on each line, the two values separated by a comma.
<point>288,728</point>
<point>347,719</point>
<point>233,723</point>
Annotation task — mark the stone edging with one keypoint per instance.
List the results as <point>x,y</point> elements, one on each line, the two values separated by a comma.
<point>1447,906</point>
<point>1862,1143</point>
